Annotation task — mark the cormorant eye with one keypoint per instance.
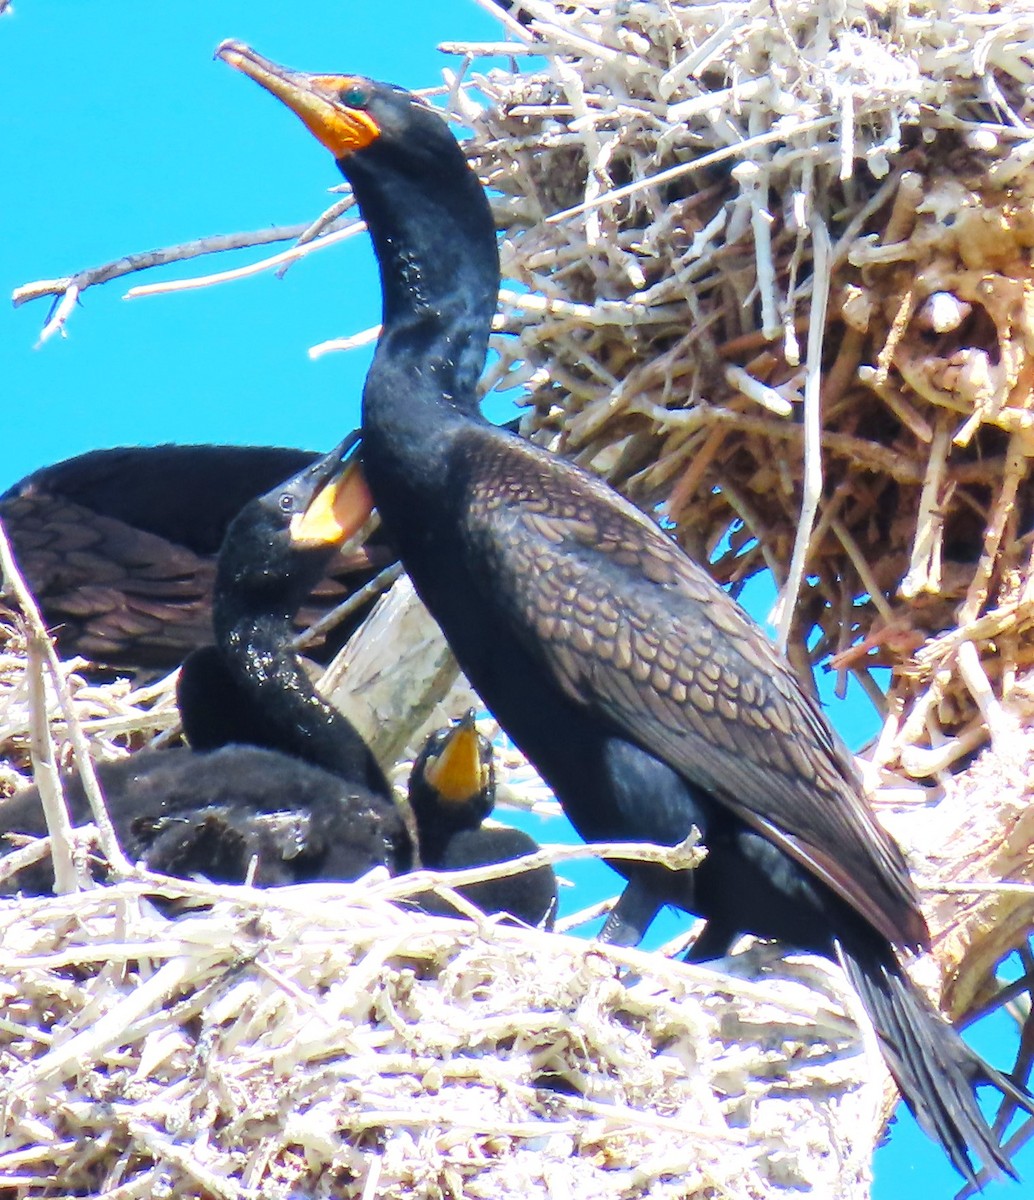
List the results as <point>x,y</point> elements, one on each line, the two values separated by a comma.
<point>355,97</point>
<point>286,502</point>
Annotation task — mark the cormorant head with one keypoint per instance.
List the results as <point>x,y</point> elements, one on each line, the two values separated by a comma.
<point>350,114</point>
<point>428,216</point>
<point>280,544</point>
<point>452,785</point>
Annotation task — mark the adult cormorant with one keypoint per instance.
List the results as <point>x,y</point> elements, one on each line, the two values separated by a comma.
<point>647,699</point>
<point>451,792</point>
<point>306,799</point>
<point>119,546</point>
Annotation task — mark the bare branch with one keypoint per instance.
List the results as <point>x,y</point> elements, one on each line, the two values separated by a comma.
<point>684,856</point>
<point>45,771</point>
<point>380,583</point>
<point>351,342</point>
<point>787,603</point>
<point>285,258</point>
<point>327,218</point>
<point>68,288</point>
<point>147,259</point>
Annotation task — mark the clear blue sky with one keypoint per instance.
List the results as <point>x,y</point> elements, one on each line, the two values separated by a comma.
<point>119,133</point>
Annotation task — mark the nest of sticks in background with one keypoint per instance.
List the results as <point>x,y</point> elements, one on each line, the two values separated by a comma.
<point>770,274</point>
<point>727,214</point>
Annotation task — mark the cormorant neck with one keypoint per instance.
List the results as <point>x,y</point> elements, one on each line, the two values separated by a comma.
<point>297,720</point>
<point>436,246</point>
<point>437,826</point>
<point>433,845</point>
<point>435,241</point>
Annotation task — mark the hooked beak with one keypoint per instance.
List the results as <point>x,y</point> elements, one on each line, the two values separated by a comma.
<point>317,99</point>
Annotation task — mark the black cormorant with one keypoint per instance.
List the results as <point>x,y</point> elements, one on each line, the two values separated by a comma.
<point>119,546</point>
<point>308,800</point>
<point>647,699</point>
<point>451,792</point>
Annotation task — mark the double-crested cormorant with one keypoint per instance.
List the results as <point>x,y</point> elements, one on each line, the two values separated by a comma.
<point>119,547</point>
<point>647,699</point>
<point>451,792</point>
<point>306,799</point>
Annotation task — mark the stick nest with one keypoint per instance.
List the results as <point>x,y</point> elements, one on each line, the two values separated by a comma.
<point>327,1040</point>
<point>281,1046</point>
<point>793,212</point>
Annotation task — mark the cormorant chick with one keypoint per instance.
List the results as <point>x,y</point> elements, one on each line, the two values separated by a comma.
<point>451,791</point>
<point>310,802</point>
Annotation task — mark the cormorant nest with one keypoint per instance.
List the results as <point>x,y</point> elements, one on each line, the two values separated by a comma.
<point>769,271</point>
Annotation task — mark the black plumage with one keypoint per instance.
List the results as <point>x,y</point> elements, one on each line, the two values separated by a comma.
<point>451,792</point>
<point>119,547</point>
<point>646,698</point>
<point>306,799</point>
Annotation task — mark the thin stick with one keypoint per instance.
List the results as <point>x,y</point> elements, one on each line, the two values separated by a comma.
<point>352,342</point>
<point>583,916</point>
<point>284,258</point>
<point>70,287</point>
<point>380,583</point>
<point>327,218</point>
<point>41,745</point>
<point>35,851</point>
<point>1016,468</point>
<point>14,583</point>
<point>787,603</point>
<point>685,856</point>
<point>45,772</point>
<point>865,575</point>
<point>739,149</point>
<point>487,49</point>
<point>1004,887</point>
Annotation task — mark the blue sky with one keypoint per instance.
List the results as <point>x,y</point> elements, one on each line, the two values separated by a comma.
<point>163,147</point>
<point>120,133</point>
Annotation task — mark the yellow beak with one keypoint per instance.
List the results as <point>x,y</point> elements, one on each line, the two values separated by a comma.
<point>337,512</point>
<point>456,773</point>
<point>317,99</point>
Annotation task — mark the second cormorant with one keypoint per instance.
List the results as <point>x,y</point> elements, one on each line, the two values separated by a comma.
<point>119,546</point>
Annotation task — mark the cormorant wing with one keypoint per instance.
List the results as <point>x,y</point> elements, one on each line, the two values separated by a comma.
<point>113,593</point>
<point>631,629</point>
<point>119,547</point>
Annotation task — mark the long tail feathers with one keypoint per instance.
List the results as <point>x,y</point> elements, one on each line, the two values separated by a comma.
<point>931,1064</point>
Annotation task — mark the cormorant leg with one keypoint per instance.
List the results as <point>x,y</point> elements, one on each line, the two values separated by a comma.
<point>630,918</point>
<point>715,941</point>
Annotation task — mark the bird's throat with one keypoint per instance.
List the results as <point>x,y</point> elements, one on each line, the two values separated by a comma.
<point>436,246</point>
<point>434,235</point>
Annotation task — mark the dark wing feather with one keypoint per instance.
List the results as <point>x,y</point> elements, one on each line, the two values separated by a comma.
<point>186,495</point>
<point>632,629</point>
<point>119,548</point>
<point>112,593</point>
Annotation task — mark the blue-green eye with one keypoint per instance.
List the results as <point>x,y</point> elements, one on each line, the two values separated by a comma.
<point>355,97</point>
